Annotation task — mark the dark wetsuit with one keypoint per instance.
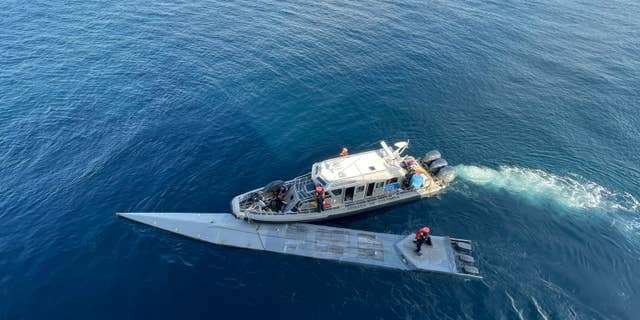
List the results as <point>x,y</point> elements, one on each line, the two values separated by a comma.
<point>424,237</point>
<point>320,200</point>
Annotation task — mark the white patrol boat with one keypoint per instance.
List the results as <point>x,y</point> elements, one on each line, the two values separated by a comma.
<point>351,184</point>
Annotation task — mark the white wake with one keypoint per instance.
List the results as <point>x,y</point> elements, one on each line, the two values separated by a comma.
<point>538,186</point>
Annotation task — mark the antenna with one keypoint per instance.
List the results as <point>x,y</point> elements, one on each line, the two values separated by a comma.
<point>401,145</point>
<point>386,148</point>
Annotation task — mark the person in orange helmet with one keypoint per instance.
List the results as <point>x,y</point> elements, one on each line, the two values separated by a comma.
<point>422,236</point>
<point>319,196</point>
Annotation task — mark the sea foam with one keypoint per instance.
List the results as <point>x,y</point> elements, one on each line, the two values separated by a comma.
<point>539,186</point>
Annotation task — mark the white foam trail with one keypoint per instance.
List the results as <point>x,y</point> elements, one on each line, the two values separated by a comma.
<point>539,309</point>
<point>537,185</point>
<point>513,305</point>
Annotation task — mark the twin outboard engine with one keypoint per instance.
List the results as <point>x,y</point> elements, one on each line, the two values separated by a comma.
<point>447,174</point>
<point>438,166</point>
<point>435,166</point>
<point>431,156</point>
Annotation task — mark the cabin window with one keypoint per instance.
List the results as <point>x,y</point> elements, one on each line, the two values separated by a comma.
<point>380,184</point>
<point>370,189</point>
<point>348,193</point>
<point>360,188</point>
<point>336,192</point>
<point>322,182</point>
<point>392,180</point>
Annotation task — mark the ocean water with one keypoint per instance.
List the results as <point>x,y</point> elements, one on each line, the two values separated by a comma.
<point>112,106</point>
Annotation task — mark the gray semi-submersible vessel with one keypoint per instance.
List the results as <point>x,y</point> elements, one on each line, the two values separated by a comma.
<point>445,255</point>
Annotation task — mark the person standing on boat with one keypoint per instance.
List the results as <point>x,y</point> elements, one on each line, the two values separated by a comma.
<point>344,152</point>
<point>319,196</point>
<point>422,236</point>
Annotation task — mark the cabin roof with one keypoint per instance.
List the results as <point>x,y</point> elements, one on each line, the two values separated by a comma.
<point>359,167</point>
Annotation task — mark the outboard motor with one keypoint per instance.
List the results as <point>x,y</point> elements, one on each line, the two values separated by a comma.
<point>447,174</point>
<point>436,165</point>
<point>273,186</point>
<point>431,156</point>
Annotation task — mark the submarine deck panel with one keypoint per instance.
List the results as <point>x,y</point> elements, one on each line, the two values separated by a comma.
<point>309,240</point>
<point>330,243</point>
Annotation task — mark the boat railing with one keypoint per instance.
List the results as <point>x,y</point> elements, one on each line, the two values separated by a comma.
<point>300,186</point>
<point>305,195</point>
<point>361,203</point>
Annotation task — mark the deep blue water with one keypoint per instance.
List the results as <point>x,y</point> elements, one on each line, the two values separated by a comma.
<point>112,106</point>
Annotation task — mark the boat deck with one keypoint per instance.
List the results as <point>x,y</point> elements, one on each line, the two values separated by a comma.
<point>314,241</point>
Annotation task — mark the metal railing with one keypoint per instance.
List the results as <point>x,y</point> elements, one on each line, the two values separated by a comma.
<point>304,195</point>
<point>362,203</point>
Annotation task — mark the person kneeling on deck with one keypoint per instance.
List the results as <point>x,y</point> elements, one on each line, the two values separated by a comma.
<point>319,196</point>
<point>422,236</point>
<point>344,152</point>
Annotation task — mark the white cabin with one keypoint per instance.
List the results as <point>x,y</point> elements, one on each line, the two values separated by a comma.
<point>360,175</point>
